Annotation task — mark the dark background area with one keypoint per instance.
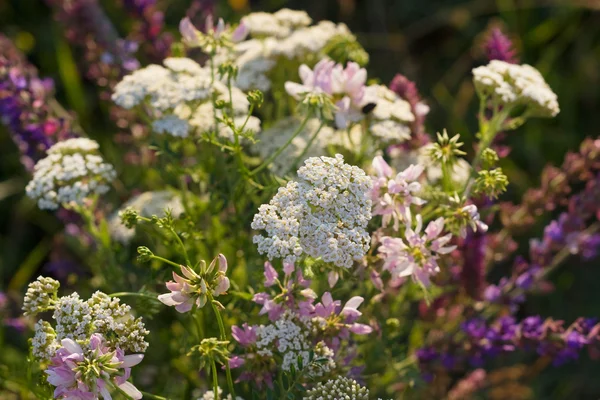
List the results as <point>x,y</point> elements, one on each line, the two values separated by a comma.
<point>434,43</point>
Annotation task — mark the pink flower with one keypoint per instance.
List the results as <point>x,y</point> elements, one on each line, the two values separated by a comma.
<point>393,197</point>
<point>189,32</point>
<point>417,254</point>
<point>245,336</point>
<point>196,288</point>
<point>65,370</point>
<point>270,274</point>
<point>349,81</point>
<point>317,80</point>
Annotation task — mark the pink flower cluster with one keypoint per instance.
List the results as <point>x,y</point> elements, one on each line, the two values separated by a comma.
<point>392,196</point>
<point>85,375</point>
<point>345,85</point>
<point>332,322</point>
<point>194,288</point>
<point>417,254</point>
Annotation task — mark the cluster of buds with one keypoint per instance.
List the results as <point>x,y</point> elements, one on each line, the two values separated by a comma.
<point>196,288</point>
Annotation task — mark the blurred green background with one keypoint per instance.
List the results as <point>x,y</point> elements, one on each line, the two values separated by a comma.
<point>435,43</point>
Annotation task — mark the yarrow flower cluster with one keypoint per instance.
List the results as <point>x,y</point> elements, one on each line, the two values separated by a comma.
<point>338,388</point>
<point>85,351</point>
<point>512,84</point>
<point>196,288</point>
<point>72,172</point>
<point>323,215</point>
<point>178,98</point>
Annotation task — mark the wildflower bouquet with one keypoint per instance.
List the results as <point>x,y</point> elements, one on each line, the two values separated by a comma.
<point>284,227</point>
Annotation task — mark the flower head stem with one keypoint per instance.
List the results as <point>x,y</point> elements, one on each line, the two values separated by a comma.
<point>310,142</point>
<point>213,367</point>
<point>222,337</point>
<point>488,131</point>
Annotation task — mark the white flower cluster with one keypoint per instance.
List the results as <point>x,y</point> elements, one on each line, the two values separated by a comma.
<point>116,323</point>
<point>290,336</point>
<point>516,84</point>
<point>338,388</point>
<point>146,204</point>
<point>286,33</point>
<point>324,214</point>
<point>73,318</point>
<point>40,295</point>
<point>77,319</point>
<point>163,89</point>
<point>72,171</point>
<point>391,116</point>
<point>44,343</point>
<point>178,97</point>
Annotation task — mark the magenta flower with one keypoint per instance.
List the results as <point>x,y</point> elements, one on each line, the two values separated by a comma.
<point>196,289</point>
<point>86,374</point>
<point>417,254</point>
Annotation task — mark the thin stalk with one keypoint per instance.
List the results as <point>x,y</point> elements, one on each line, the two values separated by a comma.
<point>187,259</point>
<point>132,294</point>
<point>153,396</point>
<point>488,133</point>
<point>273,156</point>
<point>165,261</point>
<point>310,142</point>
<point>223,337</point>
<point>213,366</point>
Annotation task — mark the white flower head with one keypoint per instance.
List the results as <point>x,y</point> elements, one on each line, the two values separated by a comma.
<point>516,84</point>
<point>72,171</point>
<point>323,215</point>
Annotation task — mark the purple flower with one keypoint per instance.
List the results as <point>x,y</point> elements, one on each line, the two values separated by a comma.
<point>270,274</point>
<point>245,336</point>
<point>499,47</point>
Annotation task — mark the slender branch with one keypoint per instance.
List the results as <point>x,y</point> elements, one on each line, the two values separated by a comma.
<point>223,337</point>
<point>153,396</point>
<point>310,142</point>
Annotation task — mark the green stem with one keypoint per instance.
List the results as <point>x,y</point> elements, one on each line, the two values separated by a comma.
<point>187,259</point>
<point>213,366</point>
<point>153,396</point>
<point>165,261</point>
<point>118,389</point>
<point>132,294</point>
<point>273,156</point>
<point>310,142</point>
<point>223,337</point>
<point>488,131</point>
